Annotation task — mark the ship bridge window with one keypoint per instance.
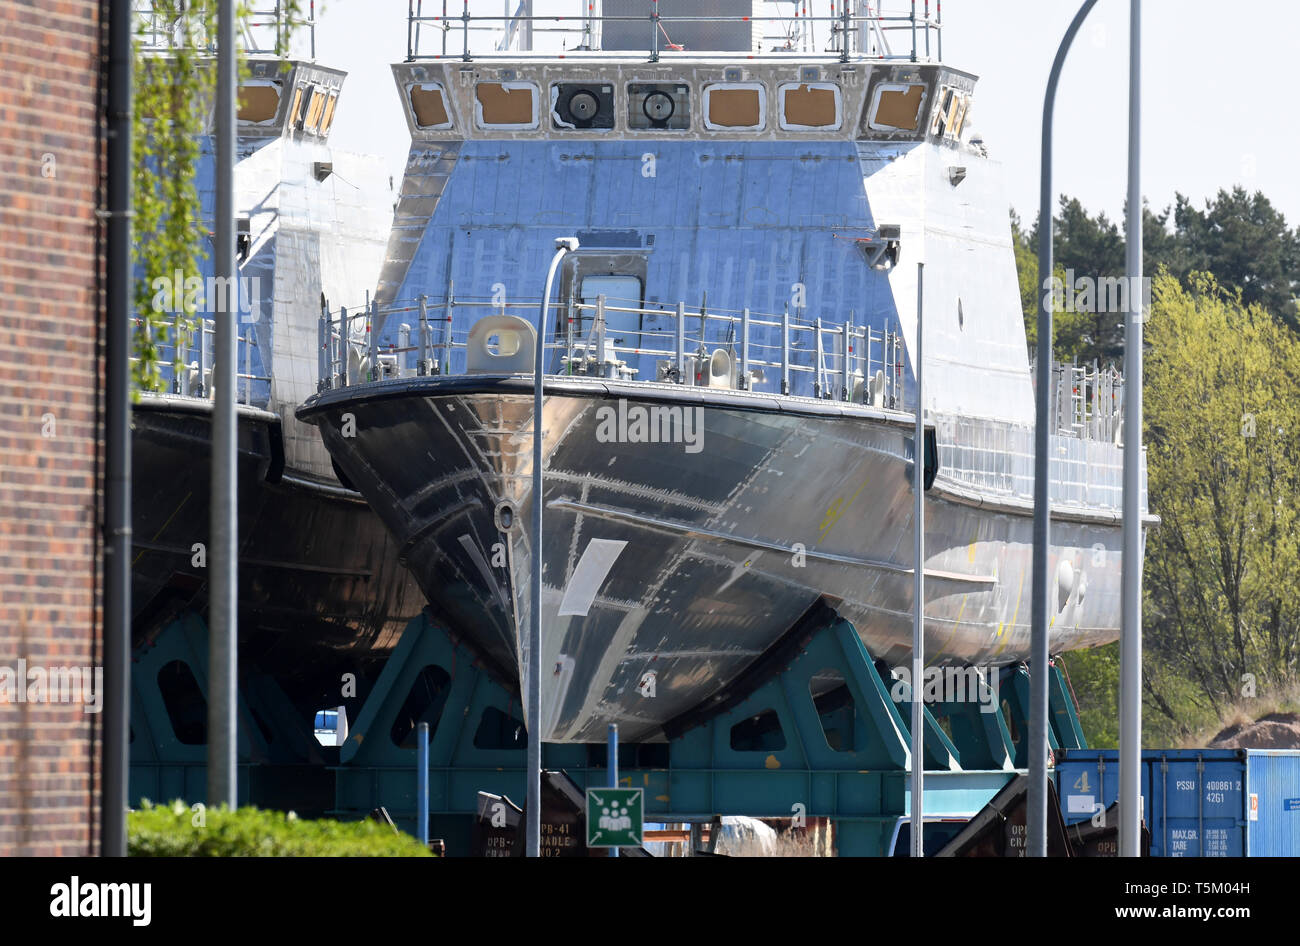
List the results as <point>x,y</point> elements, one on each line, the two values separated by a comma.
<point>304,105</point>
<point>506,105</point>
<point>950,114</point>
<point>294,115</point>
<point>959,117</point>
<point>810,106</point>
<point>315,110</point>
<point>328,118</point>
<point>429,105</point>
<point>620,292</point>
<point>259,101</point>
<point>577,105</point>
<point>896,107</point>
<point>735,105</point>
<point>658,105</point>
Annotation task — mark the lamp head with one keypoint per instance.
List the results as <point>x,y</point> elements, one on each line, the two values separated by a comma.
<point>566,243</point>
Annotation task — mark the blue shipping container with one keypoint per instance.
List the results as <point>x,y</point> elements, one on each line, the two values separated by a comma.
<point>1196,802</point>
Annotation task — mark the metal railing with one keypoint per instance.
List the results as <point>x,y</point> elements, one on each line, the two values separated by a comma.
<point>786,353</point>
<point>195,359</point>
<point>1087,414</point>
<point>851,30</point>
<point>1087,401</point>
<point>265,32</point>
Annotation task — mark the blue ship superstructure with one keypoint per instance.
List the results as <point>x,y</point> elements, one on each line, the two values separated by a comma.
<point>311,223</point>
<point>749,230</point>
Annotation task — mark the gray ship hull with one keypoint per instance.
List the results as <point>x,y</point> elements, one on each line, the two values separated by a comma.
<point>670,568</point>
<point>321,592</point>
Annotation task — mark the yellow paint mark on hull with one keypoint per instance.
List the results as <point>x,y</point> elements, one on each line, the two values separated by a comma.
<point>956,624</point>
<point>1015,614</point>
<point>834,511</point>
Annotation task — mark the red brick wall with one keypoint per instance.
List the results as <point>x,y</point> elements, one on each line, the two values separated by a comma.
<point>49,433</point>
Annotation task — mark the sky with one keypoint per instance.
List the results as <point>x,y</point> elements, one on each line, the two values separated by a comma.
<point>1213,75</point>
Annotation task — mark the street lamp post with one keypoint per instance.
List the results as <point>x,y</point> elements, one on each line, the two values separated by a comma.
<point>1130,658</point>
<point>1036,814</point>
<point>223,548</point>
<point>533,825</point>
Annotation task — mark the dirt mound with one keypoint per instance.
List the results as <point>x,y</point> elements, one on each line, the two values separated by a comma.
<point>1274,731</point>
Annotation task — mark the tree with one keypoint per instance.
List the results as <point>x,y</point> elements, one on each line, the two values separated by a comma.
<point>1222,412</point>
<point>1094,682</point>
<point>1244,242</point>
<point>1069,328</point>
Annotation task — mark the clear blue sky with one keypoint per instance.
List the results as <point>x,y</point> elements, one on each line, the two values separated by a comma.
<point>1216,81</point>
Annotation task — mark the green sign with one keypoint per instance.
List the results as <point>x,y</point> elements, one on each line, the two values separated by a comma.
<point>615,817</point>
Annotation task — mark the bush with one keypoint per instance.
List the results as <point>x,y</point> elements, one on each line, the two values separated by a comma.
<point>170,831</point>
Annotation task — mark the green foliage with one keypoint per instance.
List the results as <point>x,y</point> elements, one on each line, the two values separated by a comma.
<point>1222,610</point>
<point>1239,239</point>
<point>1094,679</point>
<point>170,831</point>
<point>1070,329</point>
<point>1222,413</point>
<point>172,97</point>
<point>1243,242</point>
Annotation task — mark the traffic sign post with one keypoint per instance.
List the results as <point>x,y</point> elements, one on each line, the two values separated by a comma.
<point>615,817</point>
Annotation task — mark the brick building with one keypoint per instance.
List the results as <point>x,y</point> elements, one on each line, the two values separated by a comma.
<point>50,418</point>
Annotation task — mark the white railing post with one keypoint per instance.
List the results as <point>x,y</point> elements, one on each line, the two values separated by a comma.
<point>598,334</point>
<point>449,310</point>
<point>744,350</point>
<point>404,349</point>
<point>846,393</point>
<point>569,309</point>
<point>422,363</point>
<point>322,341</point>
<point>785,350</point>
<point>681,343</point>
<point>248,366</point>
<point>345,346</point>
<point>178,355</point>
<point>202,390</point>
<point>372,340</point>
<point>817,376</point>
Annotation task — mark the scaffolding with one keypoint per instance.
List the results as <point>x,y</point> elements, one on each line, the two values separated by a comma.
<point>851,30</point>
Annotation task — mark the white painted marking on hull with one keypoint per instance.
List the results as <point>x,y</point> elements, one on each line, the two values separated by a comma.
<point>597,559</point>
<point>469,545</point>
